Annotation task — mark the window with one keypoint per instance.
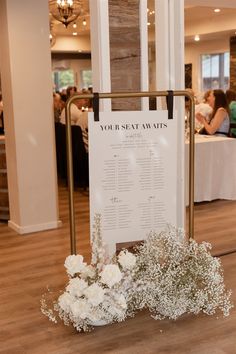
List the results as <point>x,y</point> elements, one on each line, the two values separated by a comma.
<point>63,78</point>
<point>86,78</point>
<point>215,71</point>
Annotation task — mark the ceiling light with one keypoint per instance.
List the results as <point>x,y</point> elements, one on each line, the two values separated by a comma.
<point>148,23</point>
<point>74,33</point>
<point>65,11</point>
<point>216,10</point>
<point>84,22</point>
<point>197,38</point>
<point>74,25</point>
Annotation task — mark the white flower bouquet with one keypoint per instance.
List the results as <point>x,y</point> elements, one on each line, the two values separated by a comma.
<point>204,108</point>
<point>96,293</point>
<point>167,274</point>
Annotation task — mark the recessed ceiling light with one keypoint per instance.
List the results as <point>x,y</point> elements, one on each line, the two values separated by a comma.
<point>216,10</point>
<point>74,33</point>
<point>197,38</point>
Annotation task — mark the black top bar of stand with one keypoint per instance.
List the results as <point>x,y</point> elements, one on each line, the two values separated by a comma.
<point>170,103</point>
<point>96,106</point>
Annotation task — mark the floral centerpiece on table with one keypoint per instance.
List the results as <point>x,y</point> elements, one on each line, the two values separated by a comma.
<point>95,293</point>
<point>168,275</point>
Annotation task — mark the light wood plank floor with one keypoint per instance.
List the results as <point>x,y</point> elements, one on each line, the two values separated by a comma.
<point>29,263</point>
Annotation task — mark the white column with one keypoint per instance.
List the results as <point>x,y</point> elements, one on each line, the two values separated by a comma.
<point>162,44</point>
<point>169,38</point>
<point>100,49</point>
<point>144,52</point>
<point>27,96</point>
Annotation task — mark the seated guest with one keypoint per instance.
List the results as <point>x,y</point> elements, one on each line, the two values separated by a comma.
<point>219,119</point>
<point>203,107</point>
<point>231,99</point>
<point>57,107</point>
<point>206,96</point>
<point>78,117</point>
<point>75,113</point>
<point>70,91</point>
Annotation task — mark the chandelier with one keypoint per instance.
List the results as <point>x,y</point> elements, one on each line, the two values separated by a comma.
<point>65,11</point>
<point>52,35</point>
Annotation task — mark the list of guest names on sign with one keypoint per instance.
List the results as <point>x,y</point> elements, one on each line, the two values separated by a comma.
<point>132,173</point>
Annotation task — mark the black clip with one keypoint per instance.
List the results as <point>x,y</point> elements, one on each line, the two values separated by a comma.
<point>96,106</point>
<point>170,103</point>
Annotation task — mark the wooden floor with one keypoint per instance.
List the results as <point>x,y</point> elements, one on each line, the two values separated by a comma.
<point>30,263</point>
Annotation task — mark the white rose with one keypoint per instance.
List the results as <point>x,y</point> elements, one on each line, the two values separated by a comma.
<point>74,264</point>
<point>65,301</point>
<point>76,286</point>
<point>94,294</point>
<point>126,259</point>
<point>88,271</point>
<point>111,275</point>
<point>80,308</point>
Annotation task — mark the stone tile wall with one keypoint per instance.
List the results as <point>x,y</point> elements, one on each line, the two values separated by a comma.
<point>124,51</point>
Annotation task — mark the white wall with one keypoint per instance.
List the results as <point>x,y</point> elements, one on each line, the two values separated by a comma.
<point>193,52</point>
<point>72,44</point>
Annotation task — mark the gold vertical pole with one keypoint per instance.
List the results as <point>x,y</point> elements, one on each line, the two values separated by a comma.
<point>191,167</point>
<point>70,178</point>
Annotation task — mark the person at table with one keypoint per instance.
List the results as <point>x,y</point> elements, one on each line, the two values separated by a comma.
<point>57,107</point>
<point>219,120</point>
<point>206,96</point>
<point>76,112</point>
<point>231,99</point>
<point>70,91</point>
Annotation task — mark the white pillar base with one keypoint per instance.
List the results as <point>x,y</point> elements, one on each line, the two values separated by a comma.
<point>34,228</point>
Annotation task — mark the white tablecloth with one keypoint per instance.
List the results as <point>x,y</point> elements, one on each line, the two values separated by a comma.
<point>215,168</point>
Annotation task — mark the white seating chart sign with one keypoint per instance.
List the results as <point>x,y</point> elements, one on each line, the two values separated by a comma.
<point>133,173</point>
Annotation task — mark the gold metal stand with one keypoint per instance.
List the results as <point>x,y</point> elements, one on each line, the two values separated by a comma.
<point>127,95</point>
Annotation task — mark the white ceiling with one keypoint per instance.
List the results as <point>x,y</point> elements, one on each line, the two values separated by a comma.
<point>200,18</point>
<point>211,3</point>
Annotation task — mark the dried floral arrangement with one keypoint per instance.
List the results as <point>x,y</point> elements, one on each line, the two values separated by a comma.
<point>166,274</point>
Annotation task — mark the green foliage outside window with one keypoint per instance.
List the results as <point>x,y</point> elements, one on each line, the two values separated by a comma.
<point>86,78</point>
<point>63,79</point>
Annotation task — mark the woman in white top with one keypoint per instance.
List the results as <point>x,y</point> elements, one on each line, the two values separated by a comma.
<point>219,120</point>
